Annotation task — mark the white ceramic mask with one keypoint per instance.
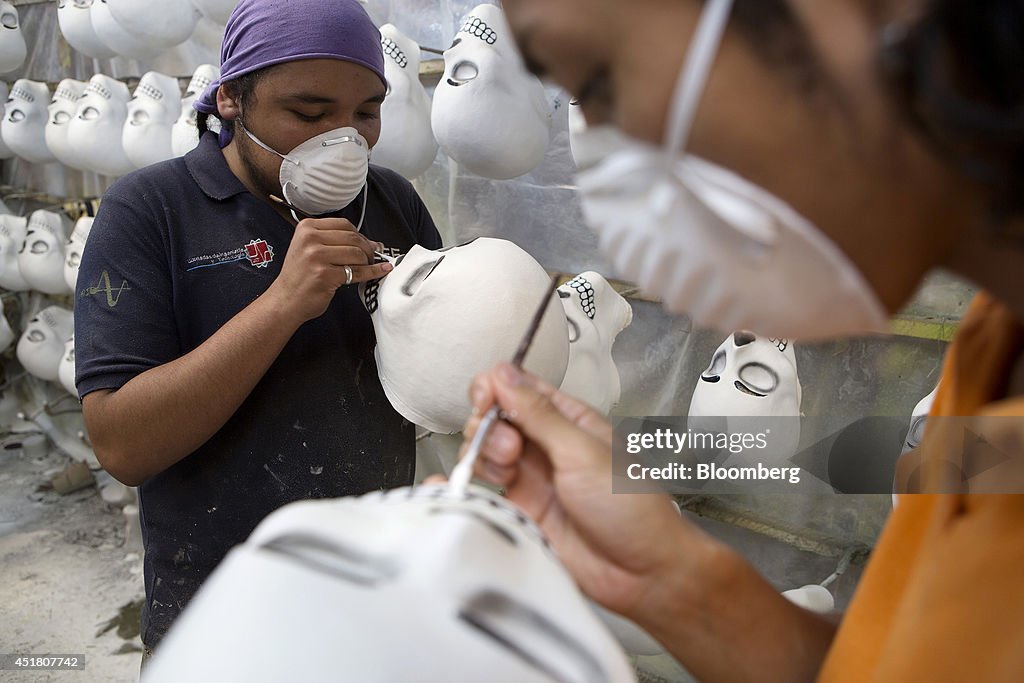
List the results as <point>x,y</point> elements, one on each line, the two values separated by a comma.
<point>489,114</point>
<point>469,582</point>
<point>596,314</point>
<point>217,11</point>
<point>6,333</point>
<point>41,258</point>
<point>66,369</point>
<point>117,37</point>
<point>5,151</point>
<point>152,111</point>
<point>24,124</point>
<point>12,238</point>
<point>184,133</point>
<point>441,317</point>
<point>165,23</point>
<point>41,346</point>
<point>76,245</point>
<point>96,129</point>
<point>918,419</point>
<point>75,22</point>
<point>13,49</point>
<point>406,143</point>
<point>62,109</point>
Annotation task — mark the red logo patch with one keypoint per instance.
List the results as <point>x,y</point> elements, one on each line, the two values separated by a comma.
<point>260,253</point>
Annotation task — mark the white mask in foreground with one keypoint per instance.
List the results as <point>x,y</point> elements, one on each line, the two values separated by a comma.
<point>96,129</point>
<point>442,317</point>
<point>406,143</point>
<point>489,114</point>
<point>12,239</point>
<point>166,23</point>
<point>117,37</point>
<point>469,580</point>
<point>41,258</point>
<point>66,369</point>
<point>24,124</point>
<point>596,314</point>
<point>12,43</point>
<point>76,245</point>
<point>62,109</point>
<point>5,151</point>
<point>217,11</point>
<point>6,333</point>
<point>75,22</point>
<point>41,346</point>
<point>152,112</point>
<point>184,133</point>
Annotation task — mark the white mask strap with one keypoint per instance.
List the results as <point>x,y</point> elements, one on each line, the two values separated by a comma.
<point>263,144</point>
<point>693,75</point>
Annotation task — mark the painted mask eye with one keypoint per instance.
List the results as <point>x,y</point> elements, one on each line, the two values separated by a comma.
<point>140,117</point>
<point>463,73</point>
<point>61,117</point>
<point>9,20</point>
<point>419,276</point>
<point>39,247</point>
<point>759,378</point>
<point>74,259</point>
<point>89,114</point>
<point>715,370</point>
<point>36,336</point>
<point>16,116</point>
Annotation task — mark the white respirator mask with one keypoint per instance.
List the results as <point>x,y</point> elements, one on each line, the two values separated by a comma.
<point>325,173</point>
<point>708,242</point>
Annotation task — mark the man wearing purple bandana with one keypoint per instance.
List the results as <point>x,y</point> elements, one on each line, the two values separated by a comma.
<point>225,364</point>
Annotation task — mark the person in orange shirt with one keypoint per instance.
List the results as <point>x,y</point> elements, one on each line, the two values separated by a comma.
<point>795,168</point>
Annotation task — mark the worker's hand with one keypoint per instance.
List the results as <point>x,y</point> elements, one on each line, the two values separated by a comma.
<point>554,460</point>
<point>314,267</point>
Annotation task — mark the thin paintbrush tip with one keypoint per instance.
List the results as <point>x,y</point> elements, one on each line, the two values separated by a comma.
<point>538,317</point>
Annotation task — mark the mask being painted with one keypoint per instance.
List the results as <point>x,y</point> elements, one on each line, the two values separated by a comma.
<point>184,133</point>
<point>489,114</point>
<point>76,245</point>
<point>41,258</point>
<point>365,570</point>
<point>708,242</point>
<point>95,131</point>
<point>217,11</point>
<point>61,110</point>
<point>75,20</point>
<point>165,24</point>
<point>41,346</point>
<point>596,314</point>
<point>66,369</point>
<point>24,124</point>
<point>12,239</point>
<point>406,143</point>
<point>441,317</point>
<point>152,111</point>
<point>12,43</point>
<point>117,37</point>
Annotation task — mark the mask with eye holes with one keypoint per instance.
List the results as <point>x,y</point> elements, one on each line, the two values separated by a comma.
<point>41,258</point>
<point>41,346</point>
<point>75,247</point>
<point>152,111</point>
<point>12,238</point>
<point>441,317</point>
<point>12,43</point>
<point>24,124</point>
<point>96,129</point>
<point>468,584</point>
<point>184,132</point>
<point>75,20</point>
<point>490,114</point>
<point>61,110</point>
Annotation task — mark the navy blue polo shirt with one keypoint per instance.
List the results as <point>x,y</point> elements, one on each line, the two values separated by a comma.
<point>176,250</point>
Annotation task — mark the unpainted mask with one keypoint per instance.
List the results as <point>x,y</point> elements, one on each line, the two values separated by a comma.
<point>41,346</point>
<point>75,248</point>
<point>5,151</point>
<point>75,20</point>
<point>13,49</point>
<point>184,132</point>
<point>41,258</point>
<point>596,314</point>
<point>66,370</point>
<point>166,23</point>
<point>217,11</point>
<point>24,124</point>
<point>118,38</point>
<point>61,110</point>
<point>12,238</point>
<point>489,114</point>
<point>152,111</point>
<point>441,317</point>
<point>96,129</point>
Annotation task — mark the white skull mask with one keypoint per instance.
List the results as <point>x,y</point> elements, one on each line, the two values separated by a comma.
<point>441,317</point>
<point>5,151</point>
<point>918,419</point>
<point>66,369</point>
<point>469,581</point>
<point>76,245</point>
<point>96,129</point>
<point>117,37</point>
<point>406,143</point>
<point>12,238</point>
<point>217,11</point>
<point>24,124</point>
<point>166,23</point>
<point>41,346</point>
<point>41,258</point>
<point>596,314</point>
<point>489,114</point>
<point>152,112</point>
<point>62,109</point>
<point>6,333</point>
<point>184,133</point>
<point>13,49</point>
<point>75,21</point>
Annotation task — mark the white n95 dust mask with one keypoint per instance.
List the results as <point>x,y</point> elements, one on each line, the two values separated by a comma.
<point>708,242</point>
<point>325,173</point>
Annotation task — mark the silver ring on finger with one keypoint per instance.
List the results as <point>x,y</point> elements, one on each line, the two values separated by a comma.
<point>348,275</point>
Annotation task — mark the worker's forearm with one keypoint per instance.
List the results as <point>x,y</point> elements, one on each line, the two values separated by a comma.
<point>165,413</point>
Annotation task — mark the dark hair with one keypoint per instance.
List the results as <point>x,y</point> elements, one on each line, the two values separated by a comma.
<point>244,88</point>
<point>958,75</point>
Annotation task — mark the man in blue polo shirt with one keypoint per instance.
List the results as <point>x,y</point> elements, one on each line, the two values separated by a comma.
<point>225,365</point>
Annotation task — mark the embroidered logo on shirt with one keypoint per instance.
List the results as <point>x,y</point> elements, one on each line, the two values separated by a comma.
<point>257,252</point>
<point>260,253</point>
<point>103,285</point>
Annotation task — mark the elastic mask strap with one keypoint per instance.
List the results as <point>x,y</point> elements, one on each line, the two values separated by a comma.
<point>693,75</point>
<point>366,200</point>
<point>263,144</point>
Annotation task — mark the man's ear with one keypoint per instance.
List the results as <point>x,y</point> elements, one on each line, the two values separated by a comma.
<point>228,105</point>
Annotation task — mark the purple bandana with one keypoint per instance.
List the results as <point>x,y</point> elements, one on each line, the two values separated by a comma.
<point>261,33</point>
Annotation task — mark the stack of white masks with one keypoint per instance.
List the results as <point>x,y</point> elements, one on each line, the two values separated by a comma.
<point>75,20</point>
<point>489,114</point>
<point>13,49</point>
<point>184,133</point>
<point>62,109</point>
<point>41,346</point>
<point>152,112</point>
<point>165,24</point>
<point>41,260</point>
<point>117,37</point>
<point>217,11</point>
<point>96,129</point>
<point>24,124</point>
<point>406,143</point>
<point>75,248</point>
<point>12,239</point>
